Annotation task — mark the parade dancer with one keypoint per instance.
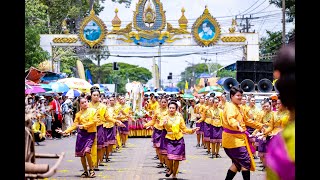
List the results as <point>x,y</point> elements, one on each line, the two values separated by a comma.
<point>235,138</point>
<point>223,101</point>
<point>110,129</point>
<point>206,117</point>
<point>157,131</point>
<point>102,118</point>
<point>175,125</point>
<point>85,123</point>
<point>216,129</point>
<point>253,113</point>
<point>198,111</point>
<point>267,118</point>
<point>123,114</point>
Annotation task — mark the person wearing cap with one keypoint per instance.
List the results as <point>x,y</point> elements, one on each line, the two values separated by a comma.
<point>274,99</point>
<point>41,105</point>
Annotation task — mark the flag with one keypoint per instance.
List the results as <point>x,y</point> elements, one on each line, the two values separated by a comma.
<point>88,76</point>
<point>186,85</point>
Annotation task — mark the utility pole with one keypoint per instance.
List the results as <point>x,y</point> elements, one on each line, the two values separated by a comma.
<point>159,65</point>
<point>208,65</point>
<point>283,22</point>
<point>246,27</point>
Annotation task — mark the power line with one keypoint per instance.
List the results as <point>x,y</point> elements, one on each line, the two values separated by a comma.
<point>249,7</point>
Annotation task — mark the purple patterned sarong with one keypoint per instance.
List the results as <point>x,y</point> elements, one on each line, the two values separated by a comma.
<point>216,134</point>
<point>200,125</point>
<point>156,137</point>
<point>84,142</point>
<point>124,130</point>
<point>239,156</point>
<point>100,137</point>
<point>110,134</point>
<point>206,132</point>
<point>163,142</point>
<point>176,149</point>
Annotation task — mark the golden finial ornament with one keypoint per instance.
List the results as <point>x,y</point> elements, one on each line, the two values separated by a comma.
<point>233,26</point>
<point>116,22</point>
<point>206,11</point>
<point>183,21</point>
<point>64,27</point>
<point>149,14</point>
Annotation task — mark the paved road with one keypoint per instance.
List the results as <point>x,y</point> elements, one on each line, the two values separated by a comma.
<point>135,162</point>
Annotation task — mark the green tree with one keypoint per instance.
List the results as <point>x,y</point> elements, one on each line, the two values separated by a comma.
<point>226,73</point>
<point>127,2</point>
<point>193,72</point>
<point>270,45</point>
<point>68,60</point>
<point>120,77</point>
<point>73,11</point>
<point>35,24</point>
<point>99,55</point>
<point>290,6</point>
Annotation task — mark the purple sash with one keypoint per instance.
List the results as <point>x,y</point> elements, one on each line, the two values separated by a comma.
<point>238,132</point>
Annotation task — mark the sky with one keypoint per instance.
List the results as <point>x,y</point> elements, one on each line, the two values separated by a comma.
<point>269,19</point>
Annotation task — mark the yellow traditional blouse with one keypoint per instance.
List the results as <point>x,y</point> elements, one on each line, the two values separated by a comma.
<point>266,118</point>
<point>206,115</point>
<point>197,108</point>
<point>102,114</point>
<point>152,107</point>
<point>175,126</point>
<point>160,112</point>
<point>253,112</point>
<point>222,105</point>
<point>233,115</point>
<point>216,117</point>
<point>36,128</point>
<point>123,112</point>
<point>278,122</point>
<point>111,112</point>
<point>87,118</point>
